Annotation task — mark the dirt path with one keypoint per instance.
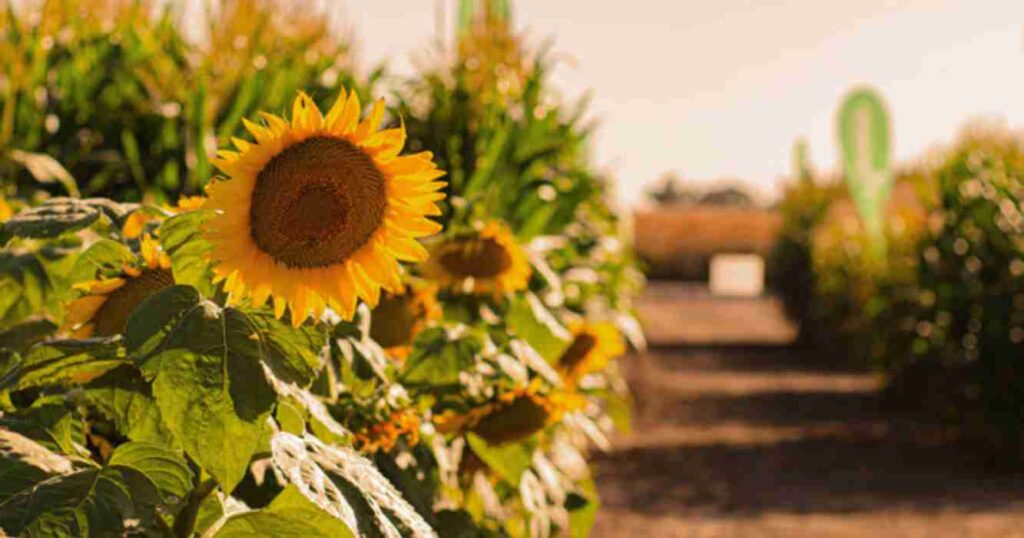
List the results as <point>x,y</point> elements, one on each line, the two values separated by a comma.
<point>756,441</point>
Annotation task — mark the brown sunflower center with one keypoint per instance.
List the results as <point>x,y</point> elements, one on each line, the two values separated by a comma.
<point>478,258</point>
<point>577,352</point>
<point>316,203</point>
<point>395,319</point>
<point>513,421</point>
<point>112,317</point>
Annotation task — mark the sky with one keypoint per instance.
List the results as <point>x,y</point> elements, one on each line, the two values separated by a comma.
<point>714,90</point>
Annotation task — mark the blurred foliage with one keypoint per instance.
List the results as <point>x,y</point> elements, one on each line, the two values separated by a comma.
<point>942,314</point>
<point>117,96</point>
<point>967,334</point>
<point>511,150</point>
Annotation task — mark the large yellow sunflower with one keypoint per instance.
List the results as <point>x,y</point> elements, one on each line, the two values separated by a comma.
<point>320,209</point>
<point>512,416</point>
<point>107,303</point>
<point>486,262</point>
<point>592,347</point>
<point>400,316</point>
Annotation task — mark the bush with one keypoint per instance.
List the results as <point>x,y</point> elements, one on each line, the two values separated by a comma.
<point>968,334</point>
<point>845,300</point>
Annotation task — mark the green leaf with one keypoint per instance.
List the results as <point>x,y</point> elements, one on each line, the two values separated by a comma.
<point>184,244</point>
<point>291,353</point>
<point>96,502</point>
<point>25,286</point>
<point>163,467</point>
<point>123,396</point>
<point>216,405</point>
<point>24,463</point>
<point>290,418</point>
<point>289,514</point>
<point>27,334</point>
<point>509,460</point>
<point>105,254</point>
<point>530,320</point>
<point>55,217</point>
<point>212,391</point>
<point>582,507</point>
<point>156,318</point>
<point>67,361</point>
<point>51,422</point>
<point>439,360</point>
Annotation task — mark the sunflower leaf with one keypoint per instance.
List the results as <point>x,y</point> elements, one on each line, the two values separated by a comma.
<point>103,254</point>
<point>66,361</point>
<point>290,513</point>
<point>99,501</point>
<point>509,460</point>
<point>187,249</point>
<point>440,359</point>
<point>209,382</point>
<point>55,217</point>
<point>123,396</point>
<point>533,323</point>
<point>24,462</point>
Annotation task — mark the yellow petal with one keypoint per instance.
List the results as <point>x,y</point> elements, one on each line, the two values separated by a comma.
<point>371,122</point>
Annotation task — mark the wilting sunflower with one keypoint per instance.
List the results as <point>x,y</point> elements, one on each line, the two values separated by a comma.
<point>512,416</point>
<point>485,262</point>
<point>592,347</point>
<point>399,317</point>
<point>320,209</point>
<point>135,224</point>
<point>382,436</point>
<point>107,303</point>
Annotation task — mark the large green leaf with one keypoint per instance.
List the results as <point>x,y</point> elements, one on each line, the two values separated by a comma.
<point>209,384</point>
<point>98,501</point>
<point>216,405</point>
<point>123,396</point>
<point>66,361</point>
<point>289,514</point>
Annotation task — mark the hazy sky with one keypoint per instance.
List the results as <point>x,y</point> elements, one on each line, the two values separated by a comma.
<point>722,89</point>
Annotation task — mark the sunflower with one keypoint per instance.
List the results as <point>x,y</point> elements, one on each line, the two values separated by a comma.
<point>592,347</point>
<point>319,210</point>
<point>107,303</point>
<point>400,316</point>
<point>135,224</point>
<point>485,262</point>
<point>512,416</point>
<point>382,436</point>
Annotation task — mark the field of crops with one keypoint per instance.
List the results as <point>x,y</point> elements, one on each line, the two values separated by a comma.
<point>249,290</point>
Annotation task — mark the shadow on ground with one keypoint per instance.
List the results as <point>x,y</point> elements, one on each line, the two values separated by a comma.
<point>751,430</point>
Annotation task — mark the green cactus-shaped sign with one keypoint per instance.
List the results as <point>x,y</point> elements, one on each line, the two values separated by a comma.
<point>801,161</point>
<point>864,141</point>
